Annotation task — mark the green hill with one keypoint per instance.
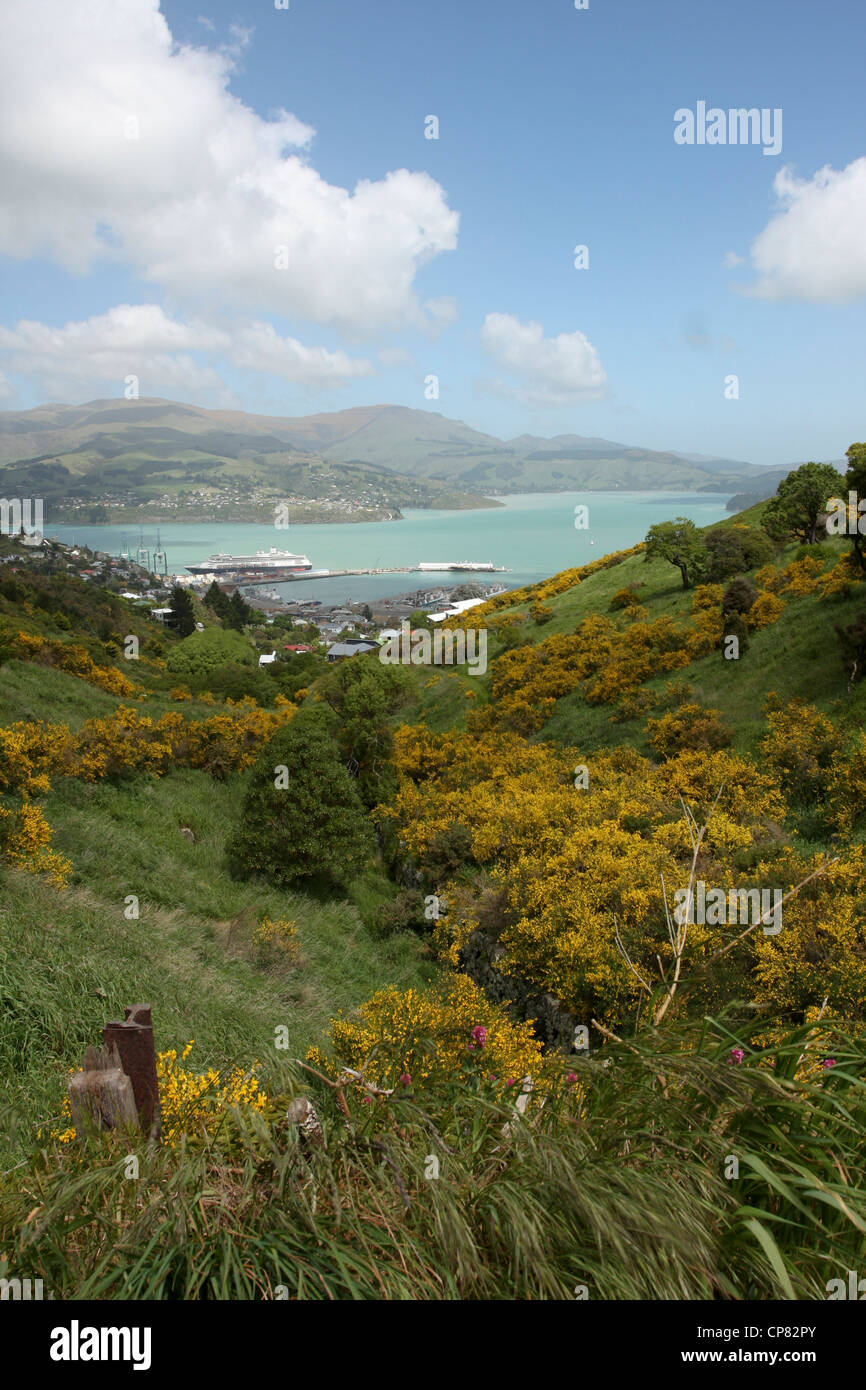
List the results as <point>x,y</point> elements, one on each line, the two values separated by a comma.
<point>157,461</point>
<point>160,460</point>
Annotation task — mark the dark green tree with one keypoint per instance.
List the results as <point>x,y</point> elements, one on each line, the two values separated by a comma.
<point>800,499</point>
<point>735,549</point>
<point>302,821</point>
<point>362,694</point>
<point>739,596</point>
<point>736,626</point>
<point>681,543</point>
<point>238,613</point>
<point>216,600</point>
<point>182,617</point>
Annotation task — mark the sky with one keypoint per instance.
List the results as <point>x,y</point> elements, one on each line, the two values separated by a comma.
<point>242,206</point>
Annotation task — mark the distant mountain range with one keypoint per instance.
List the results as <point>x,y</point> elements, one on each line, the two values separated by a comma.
<point>168,459</point>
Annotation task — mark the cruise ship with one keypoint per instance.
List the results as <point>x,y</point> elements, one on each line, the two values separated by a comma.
<point>269,564</point>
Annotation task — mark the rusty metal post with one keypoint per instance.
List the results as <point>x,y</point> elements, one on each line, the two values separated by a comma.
<point>134,1042</point>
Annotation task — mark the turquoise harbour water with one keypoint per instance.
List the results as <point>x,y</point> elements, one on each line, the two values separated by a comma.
<point>533,535</point>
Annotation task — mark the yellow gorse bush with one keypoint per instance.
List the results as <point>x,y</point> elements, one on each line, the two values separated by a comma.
<point>126,741</point>
<point>25,839</point>
<point>192,1104</point>
<point>28,751</point>
<point>275,940</point>
<point>73,659</point>
<point>195,1103</point>
<point>765,611</point>
<point>427,1036</point>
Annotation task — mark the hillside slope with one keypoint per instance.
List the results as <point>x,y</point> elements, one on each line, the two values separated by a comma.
<point>155,445</point>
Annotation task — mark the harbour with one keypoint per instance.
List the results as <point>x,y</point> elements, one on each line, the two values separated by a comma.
<point>529,537</point>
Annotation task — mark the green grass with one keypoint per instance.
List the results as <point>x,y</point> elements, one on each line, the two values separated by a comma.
<point>28,691</point>
<point>797,656</point>
<point>69,961</point>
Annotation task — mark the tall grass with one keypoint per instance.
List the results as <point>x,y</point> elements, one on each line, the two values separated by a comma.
<point>622,1193</point>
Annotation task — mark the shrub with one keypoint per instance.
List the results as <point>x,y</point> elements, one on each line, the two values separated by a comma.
<point>852,647</point>
<point>541,613</point>
<point>734,549</point>
<point>276,942</point>
<point>624,598</point>
<point>203,652</point>
<point>766,609</point>
<point>633,705</point>
<point>707,598</point>
<point>735,625</point>
<point>448,851</point>
<point>802,745</point>
<point>403,913</point>
<point>691,727</point>
<point>739,596</point>
<point>469,1033</point>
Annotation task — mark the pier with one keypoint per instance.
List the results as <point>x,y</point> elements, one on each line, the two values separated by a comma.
<point>241,583</point>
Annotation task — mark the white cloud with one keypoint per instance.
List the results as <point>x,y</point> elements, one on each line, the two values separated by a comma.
<point>441,313</point>
<point>260,348</point>
<point>140,340</point>
<point>815,247</point>
<point>396,357</point>
<point>732,260</point>
<point>550,371</point>
<point>201,199</point>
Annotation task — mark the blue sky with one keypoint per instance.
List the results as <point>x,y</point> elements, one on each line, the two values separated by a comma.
<point>149,249</point>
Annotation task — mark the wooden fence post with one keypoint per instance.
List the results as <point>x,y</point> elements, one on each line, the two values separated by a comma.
<point>134,1042</point>
<point>101,1096</point>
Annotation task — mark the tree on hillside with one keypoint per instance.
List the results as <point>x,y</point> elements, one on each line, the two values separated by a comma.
<point>800,499</point>
<point>182,617</point>
<point>305,824</point>
<point>239,612</point>
<point>216,600</point>
<point>363,695</point>
<point>735,549</point>
<point>681,543</point>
